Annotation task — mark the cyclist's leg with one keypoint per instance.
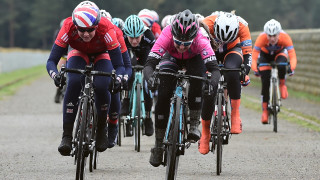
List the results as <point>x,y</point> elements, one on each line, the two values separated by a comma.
<point>113,119</point>
<point>70,103</point>
<point>282,57</point>
<point>233,59</point>
<point>148,101</point>
<point>102,98</point>
<point>265,83</point>
<point>196,67</point>
<point>165,90</point>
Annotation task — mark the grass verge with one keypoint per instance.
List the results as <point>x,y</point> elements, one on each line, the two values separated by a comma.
<point>12,81</point>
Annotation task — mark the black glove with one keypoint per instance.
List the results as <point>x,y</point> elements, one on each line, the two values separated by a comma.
<point>116,85</point>
<point>153,83</point>
<point>125,81</point>
<point>59,80</point>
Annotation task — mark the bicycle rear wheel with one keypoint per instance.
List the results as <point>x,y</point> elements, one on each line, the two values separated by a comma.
<point>81,140</point>
<point>172,148</point>
<point>274,107</point>
<point>219,134</point>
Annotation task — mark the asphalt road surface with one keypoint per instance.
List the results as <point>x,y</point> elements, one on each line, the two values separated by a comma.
<point>31,129</point>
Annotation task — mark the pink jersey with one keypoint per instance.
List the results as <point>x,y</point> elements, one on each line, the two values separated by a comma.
<point>200,45</point>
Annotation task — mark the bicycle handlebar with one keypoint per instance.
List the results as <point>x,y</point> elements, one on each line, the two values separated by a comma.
<point>273,64</point>
<point>137,67</point>
<point>242,70</point>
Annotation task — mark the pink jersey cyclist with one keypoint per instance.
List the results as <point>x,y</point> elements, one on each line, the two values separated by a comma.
<point>180,45</point>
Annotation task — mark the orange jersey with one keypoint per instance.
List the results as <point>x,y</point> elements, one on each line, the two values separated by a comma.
<point>244,36</point>
<point>284,42</point>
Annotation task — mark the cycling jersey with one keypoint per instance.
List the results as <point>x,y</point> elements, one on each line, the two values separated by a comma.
<point>284,42</point>
<point>156,30</point>
<point>244,37</point>
<point>142,50</point>
<point>165,43</point>
<point>104,39</point>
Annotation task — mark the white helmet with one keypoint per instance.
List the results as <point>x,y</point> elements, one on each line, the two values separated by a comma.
<point>272,27</point>
<point>226,27</point>
<point>216,13</point>
<point>165,20</point>
<point>106,14</point>
<point>155,15</point>
<point>146,16</point>
<point>199,16</point>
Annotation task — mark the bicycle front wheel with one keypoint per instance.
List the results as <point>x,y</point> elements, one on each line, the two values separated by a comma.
<point>274,107</point>
<point>219,133</point>
<point>172,148</point>
<point>81,141</point>
<point>138,118</point>
<point>93,151</point>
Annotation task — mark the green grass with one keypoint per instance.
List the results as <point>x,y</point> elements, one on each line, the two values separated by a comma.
<point>290,115</point>
<point>12,81</point>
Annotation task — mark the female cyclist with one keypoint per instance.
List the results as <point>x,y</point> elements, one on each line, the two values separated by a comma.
<point>273,45</point>
<point>90,36</point>
<point>180,45</point>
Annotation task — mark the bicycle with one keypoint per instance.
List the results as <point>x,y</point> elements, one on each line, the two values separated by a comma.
<point>85,125</point>
<point>220,125</point>
<point>135,120</point>
<point>274,102</point>
<point>175,139</point>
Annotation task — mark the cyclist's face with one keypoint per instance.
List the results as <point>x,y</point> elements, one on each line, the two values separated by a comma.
<point>86,36</point>
<point>273,39</point>
<point>135,41</point>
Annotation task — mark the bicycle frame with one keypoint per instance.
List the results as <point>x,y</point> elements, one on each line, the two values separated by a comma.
<point>133,97</point>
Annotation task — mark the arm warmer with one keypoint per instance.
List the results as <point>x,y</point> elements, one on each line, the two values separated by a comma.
<point>54,57</point>
<point>127,63</point>
<point>116,60</point>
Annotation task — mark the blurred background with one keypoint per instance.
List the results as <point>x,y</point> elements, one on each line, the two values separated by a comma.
<point>31,23</point>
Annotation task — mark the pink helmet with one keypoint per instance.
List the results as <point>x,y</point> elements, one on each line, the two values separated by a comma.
<point>86,14</point>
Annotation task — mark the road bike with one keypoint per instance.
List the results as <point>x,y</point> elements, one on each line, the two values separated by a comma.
<point>274,102</point>
<point>85,125</point>
<point>135,120</point>
<point>220,124</point>
<point>175,139</point>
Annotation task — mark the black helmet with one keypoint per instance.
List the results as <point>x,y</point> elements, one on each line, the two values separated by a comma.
<point>185,26</point>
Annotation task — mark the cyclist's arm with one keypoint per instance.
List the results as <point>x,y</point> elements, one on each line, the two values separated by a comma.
<point>152,61</point>
<point>212,67</point>
<point>117,61</point>
<point>127,63</point>
<point>291,51</point>
<point>54,57</point>
<point>256,51</point>
<point>245,43</point>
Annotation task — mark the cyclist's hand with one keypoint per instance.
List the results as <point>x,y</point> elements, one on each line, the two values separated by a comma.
<point>246,81</point>
<point>290,72</point>
<point>116,85</point>
<point>125,82</point>
<point>152,83</point>
<point>257,73</point>
<point>59,80</point>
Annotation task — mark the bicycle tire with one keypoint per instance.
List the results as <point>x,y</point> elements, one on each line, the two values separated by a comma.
<point>93,138</point>
<point>274,106</point>
<point>80,154</point>
<point>219,134</point>
<point>119,132</point>
<point>172,148</point>
<point>138,115</point>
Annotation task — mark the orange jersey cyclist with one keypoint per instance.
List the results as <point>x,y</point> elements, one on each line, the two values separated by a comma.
<point>231,35</point>
<point>273,45</point>
<point>89,35</point>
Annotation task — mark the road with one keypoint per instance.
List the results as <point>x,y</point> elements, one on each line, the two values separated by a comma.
<point>31,129</point>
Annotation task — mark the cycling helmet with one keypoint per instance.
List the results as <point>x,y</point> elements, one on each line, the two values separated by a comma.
<point>133,26</point>
<point>185,26</point>
<point>199,16</point>
<point>272,27</point>
<point>106,14</point>
<point>165,21</point>
<point>147,17</point>
<point>86,14</point>
<point>155,16</point>
<point>226,27</point>
<point>118,22</point>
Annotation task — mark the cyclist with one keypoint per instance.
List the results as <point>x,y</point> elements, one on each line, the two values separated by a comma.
<point>115,97</point>
<point>89,37</point>
<point>147,16</point>
<point>118,22</point>
<point>234,47</point>
<point>180,45</point>
<point>62,61</point>
<point>273,45</point>
<point>139,40</point>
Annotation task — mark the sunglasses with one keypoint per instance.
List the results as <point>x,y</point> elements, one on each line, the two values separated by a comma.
<point>184,43</point>
<point>86,29</point>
